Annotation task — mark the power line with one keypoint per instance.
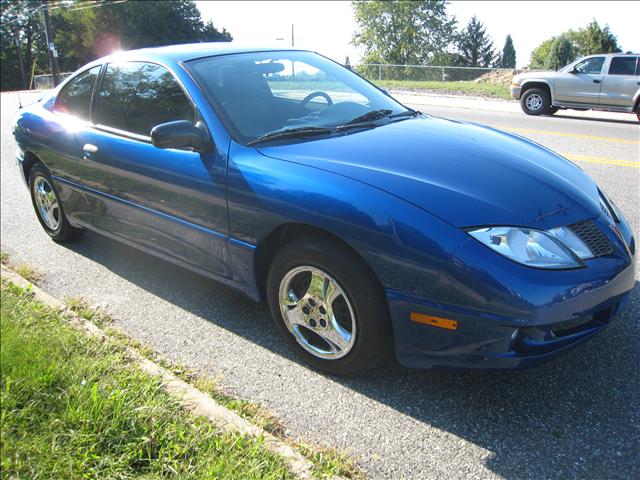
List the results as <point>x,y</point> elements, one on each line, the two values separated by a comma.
<point>61,5</point>
<point>95,5</point>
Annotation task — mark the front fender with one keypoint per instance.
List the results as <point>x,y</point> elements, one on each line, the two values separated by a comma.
<point>407,248</point>
<point>545,81</point>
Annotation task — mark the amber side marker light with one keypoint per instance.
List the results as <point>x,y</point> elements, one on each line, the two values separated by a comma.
<point>434,321</point>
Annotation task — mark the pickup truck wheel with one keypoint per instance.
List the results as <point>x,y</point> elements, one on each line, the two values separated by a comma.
<point>536,101</point>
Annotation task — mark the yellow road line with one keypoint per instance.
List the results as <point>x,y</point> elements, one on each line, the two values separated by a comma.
<point>603,160</point>
<point>566,134</point>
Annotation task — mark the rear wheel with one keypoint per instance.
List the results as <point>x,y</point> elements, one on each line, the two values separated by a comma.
<point>328,306</point>
<point>537,101</point>
<point>48,207</point>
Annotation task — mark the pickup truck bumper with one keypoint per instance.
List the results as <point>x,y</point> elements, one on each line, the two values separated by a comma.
<point>516,91</point>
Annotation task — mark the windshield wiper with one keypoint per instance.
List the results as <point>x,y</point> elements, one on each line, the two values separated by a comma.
<point>299,132</point>
<point>407,113</point>
<point>368,117</point>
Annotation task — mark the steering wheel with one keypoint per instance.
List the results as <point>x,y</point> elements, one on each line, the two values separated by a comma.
<point>308,98</point>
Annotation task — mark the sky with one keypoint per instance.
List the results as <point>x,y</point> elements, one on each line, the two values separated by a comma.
<point>327,26</point>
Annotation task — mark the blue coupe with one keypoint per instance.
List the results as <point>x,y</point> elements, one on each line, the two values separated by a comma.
<point>368,227</point>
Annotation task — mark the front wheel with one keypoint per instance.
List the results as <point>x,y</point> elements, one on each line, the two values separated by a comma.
<point>536,101</point>
<point>48,207</point>
<point>329,307</point>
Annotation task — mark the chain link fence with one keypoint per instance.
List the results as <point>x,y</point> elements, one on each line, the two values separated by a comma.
<point>431,73</point>
<point>378,71</point>
<point>45,82</point>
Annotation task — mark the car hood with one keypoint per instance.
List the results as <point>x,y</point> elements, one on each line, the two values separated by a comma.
<point>466,174</point>
<point>547,75</point>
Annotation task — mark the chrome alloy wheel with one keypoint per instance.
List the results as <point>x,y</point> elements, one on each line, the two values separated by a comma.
<point>47,203</point>
<point>317,312</point>
<point>534,102</point>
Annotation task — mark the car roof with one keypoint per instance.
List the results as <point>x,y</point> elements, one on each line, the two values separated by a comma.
<point>611,55</point>
<point>191,51</point>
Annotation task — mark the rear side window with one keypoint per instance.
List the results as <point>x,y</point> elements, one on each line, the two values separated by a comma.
<point>75,97</point>
<point>137,96</point>
<point>623,66</point>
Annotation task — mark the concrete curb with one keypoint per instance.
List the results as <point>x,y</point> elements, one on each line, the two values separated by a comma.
<point>188,396</point>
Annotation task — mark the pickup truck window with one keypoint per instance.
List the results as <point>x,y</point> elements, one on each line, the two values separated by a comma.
<point>623,66</point>
<point>591,65</point>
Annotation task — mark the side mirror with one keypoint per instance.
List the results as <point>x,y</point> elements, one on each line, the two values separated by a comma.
<point>180,134</point>
<point>573,71</point>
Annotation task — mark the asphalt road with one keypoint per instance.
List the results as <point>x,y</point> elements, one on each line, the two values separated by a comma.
<point>577,417</point>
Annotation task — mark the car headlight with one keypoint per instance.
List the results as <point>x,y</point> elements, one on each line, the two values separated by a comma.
<point>515,82</point>
<point>556,248</point>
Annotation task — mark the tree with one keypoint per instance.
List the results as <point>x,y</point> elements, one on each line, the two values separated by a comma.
<point>475,46</point>
<point>402,32</point>
<point>508,57</point>
<point>592,40</point>
<point>540,53</point>
<point>560,53</point>
<point>83,34</point>
<point>20,21</point>
<point>585,41</point>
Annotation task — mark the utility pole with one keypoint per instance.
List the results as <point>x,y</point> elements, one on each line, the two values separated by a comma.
<point>21,62</point>
<point>51,48</point>
<point>293,67</point>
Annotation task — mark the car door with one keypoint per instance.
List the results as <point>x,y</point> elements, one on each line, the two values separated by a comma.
<point>621,82</point>
<point>581,84</point>
<point>169,201</point>
<point>69,115</point>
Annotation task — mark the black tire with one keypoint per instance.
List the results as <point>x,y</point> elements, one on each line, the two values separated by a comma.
<point>536,101</point>
<point>373,340</point>
<point>63,231</point>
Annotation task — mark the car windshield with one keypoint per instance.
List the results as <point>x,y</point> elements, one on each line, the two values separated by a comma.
<point>264,94</point>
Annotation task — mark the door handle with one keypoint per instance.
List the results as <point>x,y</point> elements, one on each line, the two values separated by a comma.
<point>89,148</point>
<point>597,81</point>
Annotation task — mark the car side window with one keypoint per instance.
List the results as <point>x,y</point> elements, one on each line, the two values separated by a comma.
<point>590,65</point>
<point>75,97</point>
<point>623,66</point>
<point>137,96</point>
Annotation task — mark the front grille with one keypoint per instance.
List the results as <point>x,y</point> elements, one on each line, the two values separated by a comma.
<point>593,237</point>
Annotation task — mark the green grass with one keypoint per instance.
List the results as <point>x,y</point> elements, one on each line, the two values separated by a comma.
<point>72,407</point>
<point>25,271</point>
<point>327,462</point>
<point>80,307</point>
<point>483,89</point>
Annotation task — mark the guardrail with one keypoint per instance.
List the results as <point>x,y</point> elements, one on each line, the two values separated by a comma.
<point>431,73</point>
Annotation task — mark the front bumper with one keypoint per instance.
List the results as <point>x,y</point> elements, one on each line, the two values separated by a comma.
<point>516,91</point>
<point>511,317</point>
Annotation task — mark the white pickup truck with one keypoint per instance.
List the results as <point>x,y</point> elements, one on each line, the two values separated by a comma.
<point>608,82</point>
